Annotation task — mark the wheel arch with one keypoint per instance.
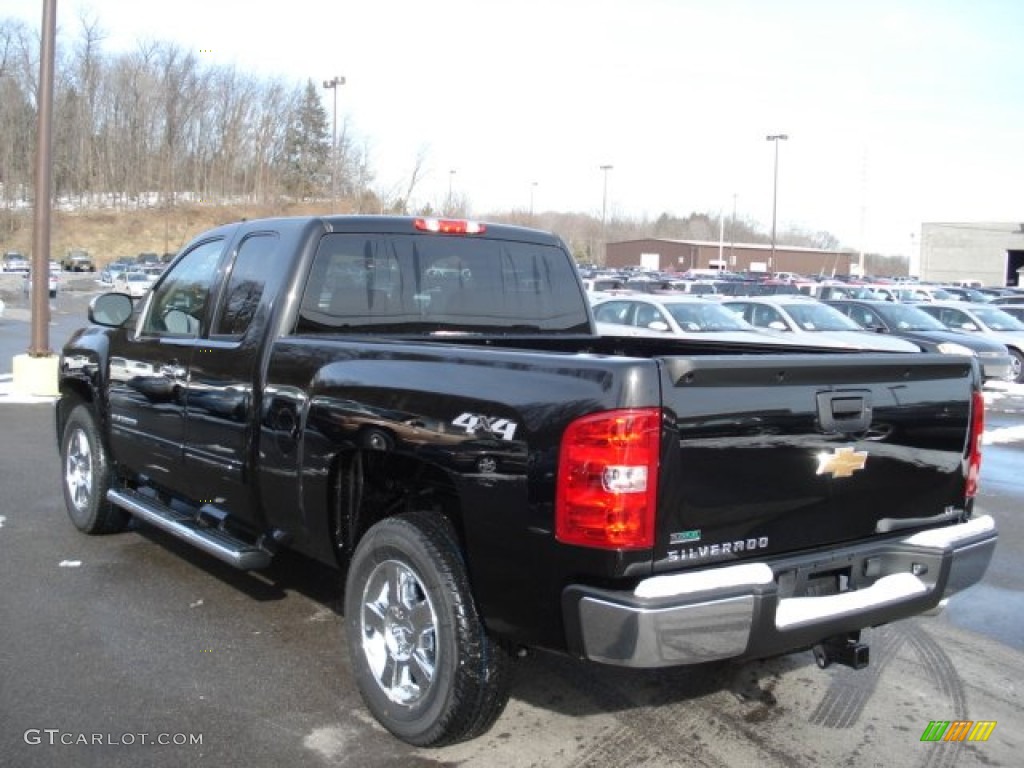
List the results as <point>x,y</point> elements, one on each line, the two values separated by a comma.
<point>368,485</point>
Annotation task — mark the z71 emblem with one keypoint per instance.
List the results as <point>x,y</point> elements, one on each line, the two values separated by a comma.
<point>843,463</point>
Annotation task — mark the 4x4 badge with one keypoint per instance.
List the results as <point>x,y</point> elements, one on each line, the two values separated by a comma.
<point>842,463</point>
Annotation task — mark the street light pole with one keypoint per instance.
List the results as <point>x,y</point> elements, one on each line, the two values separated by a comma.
<point>533,187</point>
<point>333,84</point>
<point>448,205</point>
<point>604,213</point>
<point>775,193</point>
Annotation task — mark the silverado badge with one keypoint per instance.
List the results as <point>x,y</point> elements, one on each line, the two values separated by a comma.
<point>842,463</point>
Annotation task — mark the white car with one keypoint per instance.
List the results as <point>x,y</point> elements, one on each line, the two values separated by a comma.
<point>809,319</point>
<point>53,283</point>
<point>988,320</point>
<point>679,316</point>
<point>135,284</point>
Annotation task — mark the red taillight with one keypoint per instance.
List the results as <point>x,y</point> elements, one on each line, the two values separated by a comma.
<point>974,443</point>
<point>450,226</point>
<point>608,480</point>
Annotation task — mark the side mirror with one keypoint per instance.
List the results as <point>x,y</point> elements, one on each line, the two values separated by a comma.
<point>777,325</point>
<point>110,309</point>
<point>969,327</point>
<point>658,325</point>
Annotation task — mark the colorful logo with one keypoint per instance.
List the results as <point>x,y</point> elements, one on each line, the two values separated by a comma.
<point>958,730</point>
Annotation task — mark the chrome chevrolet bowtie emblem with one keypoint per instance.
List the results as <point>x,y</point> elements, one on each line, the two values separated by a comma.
<point>843,463</point>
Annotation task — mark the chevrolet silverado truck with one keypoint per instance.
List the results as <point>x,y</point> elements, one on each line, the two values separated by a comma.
<point>425,405</point>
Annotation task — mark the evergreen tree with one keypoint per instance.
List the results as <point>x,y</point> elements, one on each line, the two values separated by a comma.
<point>308,148</point>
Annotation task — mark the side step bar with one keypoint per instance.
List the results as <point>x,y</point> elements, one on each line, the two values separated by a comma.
<point>213,541</point>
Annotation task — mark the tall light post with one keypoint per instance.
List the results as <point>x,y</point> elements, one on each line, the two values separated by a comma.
<point>333,84</point>
<point>533,188</point>
<point>448,204</point>
<point>775,193</point>
<point>604,213</point>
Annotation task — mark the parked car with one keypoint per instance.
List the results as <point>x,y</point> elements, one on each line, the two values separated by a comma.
<point>816,322</point>
<point>78,260</point>
<point>966,293</point>
<point>1007,298</point>
<point>924,293</point>
<point>135,284</point>
<point>112,270</point>
<point>988,320</point>
<point>686,316</point>
<point>1017,310</point>
<point>53,283</point>
<point>14,261</point>
<point>907,321</point>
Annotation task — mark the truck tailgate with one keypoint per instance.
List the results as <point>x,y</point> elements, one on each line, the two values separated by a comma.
<point>779,455</point>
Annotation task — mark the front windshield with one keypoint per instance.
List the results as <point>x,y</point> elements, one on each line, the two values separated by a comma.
<point>820,317</point>
<point>903,317</point>
<point>706,318</point>
<point>998,320</point>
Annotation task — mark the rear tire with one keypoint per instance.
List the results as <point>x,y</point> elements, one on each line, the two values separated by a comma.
<point>424,663</point>
<point>87,475</point>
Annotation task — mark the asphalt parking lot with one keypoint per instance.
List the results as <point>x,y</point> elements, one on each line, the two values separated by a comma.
<point>110,645</point>
<point>135,649</point>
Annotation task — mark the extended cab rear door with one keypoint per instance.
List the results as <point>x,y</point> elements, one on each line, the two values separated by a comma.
<point>221,399</point>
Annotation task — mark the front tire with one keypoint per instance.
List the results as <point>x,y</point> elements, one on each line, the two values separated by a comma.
<point>424,663</point>
<point>1016,366</point>
<point>87,475</point>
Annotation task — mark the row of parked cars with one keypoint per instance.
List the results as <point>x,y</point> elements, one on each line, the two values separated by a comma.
<point>992,333</point>
<point>131,276</point>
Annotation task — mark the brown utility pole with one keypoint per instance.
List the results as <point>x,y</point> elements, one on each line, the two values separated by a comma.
<point>40,345</point>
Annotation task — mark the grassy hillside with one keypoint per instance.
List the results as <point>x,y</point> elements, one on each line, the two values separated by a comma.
<point>109,235</point>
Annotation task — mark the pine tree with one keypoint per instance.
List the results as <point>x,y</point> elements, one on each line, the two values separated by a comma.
<point>308,148</point>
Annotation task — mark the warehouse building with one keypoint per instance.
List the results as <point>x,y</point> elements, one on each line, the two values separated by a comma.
<point>683,255</point>
<point>991,253</point>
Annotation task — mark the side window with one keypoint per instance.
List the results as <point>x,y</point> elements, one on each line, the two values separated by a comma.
<point>612,312</point>
<point>955,318</point>
<point>245,285</point>
<point>180,303</point>
<point>646,314</point>
<point>764,316</point>
<point>866,318</point>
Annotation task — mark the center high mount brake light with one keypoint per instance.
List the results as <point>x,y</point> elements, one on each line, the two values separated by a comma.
<point>450,226</point>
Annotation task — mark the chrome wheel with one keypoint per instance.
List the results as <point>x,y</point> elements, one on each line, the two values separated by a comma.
<point>1016,367</point>
<point>78,470</point>
<point>424,664</point>
<point>399,632</point>
<point>88,474</point>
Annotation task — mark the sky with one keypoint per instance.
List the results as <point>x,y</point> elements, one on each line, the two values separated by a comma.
<point>897,112</point>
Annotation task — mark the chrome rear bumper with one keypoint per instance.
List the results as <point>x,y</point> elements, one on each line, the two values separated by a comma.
<point>737,611</point>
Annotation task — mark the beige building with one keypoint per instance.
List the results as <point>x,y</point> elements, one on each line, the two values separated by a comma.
<point>990,252</point>
<point>681,255</point>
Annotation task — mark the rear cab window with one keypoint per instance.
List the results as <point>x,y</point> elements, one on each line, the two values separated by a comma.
<point>439,285</point>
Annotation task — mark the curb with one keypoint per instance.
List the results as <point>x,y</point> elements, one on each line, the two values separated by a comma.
<point>8,395</point>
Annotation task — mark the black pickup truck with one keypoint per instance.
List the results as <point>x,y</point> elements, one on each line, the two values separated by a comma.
<point>424,404</point>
